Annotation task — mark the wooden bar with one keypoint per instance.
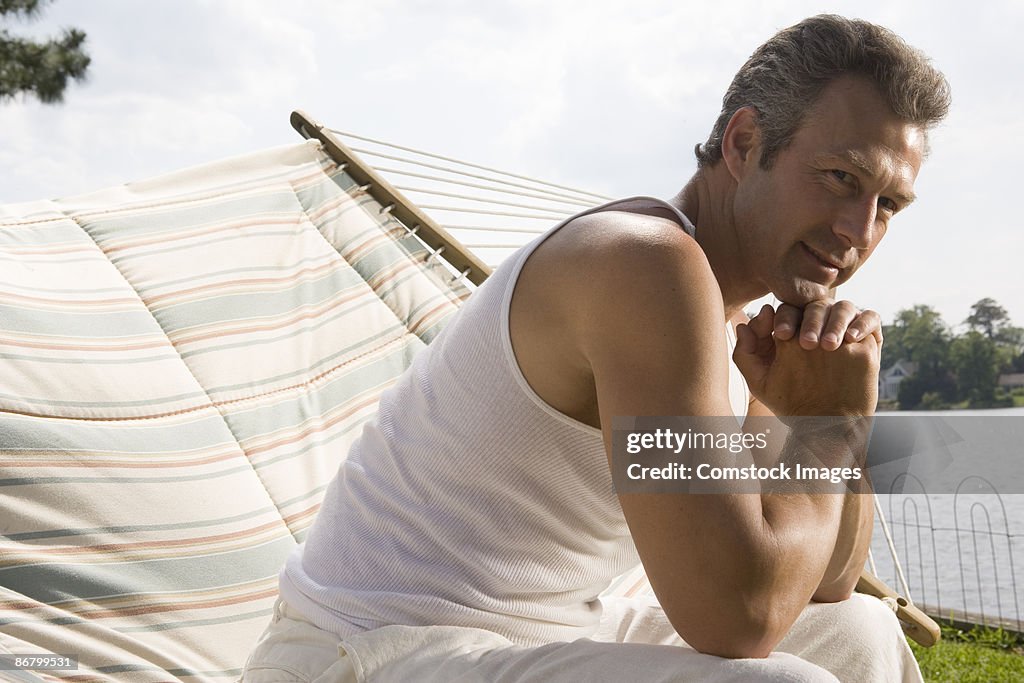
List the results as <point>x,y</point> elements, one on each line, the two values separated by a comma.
<point>916,624</point>
<point>432,234</point>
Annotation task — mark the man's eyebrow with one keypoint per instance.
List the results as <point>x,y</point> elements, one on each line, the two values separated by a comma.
<point>858,161</point>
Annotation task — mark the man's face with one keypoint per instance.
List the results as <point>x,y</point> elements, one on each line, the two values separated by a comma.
<point>809,223</point>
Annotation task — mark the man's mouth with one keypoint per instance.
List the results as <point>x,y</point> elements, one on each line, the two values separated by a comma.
<point>822,259</point>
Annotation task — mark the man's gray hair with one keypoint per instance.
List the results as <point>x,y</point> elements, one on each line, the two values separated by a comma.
<point>783,79</point>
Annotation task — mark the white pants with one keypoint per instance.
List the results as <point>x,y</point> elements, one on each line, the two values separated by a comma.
<point>855,640</point>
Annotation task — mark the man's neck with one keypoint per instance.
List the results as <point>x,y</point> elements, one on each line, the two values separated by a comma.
<point>705,200</point>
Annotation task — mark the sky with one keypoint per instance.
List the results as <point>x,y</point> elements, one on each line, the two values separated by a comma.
<point>604,95</point>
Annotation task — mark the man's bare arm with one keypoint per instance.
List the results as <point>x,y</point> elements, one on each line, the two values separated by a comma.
<point>854,538</point>
<point>733,572</point>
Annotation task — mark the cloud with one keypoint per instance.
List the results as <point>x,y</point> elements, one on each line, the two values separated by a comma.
<point>605,95</point>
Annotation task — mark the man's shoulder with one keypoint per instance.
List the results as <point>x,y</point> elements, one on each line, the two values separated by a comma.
<point>615,294</point>
<point>610,246</point>
<point>626,229</point>
<point>616,270</point>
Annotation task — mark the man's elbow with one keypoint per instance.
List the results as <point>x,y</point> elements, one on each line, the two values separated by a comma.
<point>738,637</point>
<point>835,591</point>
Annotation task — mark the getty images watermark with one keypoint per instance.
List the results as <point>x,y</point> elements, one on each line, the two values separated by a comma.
<point>816,454</point>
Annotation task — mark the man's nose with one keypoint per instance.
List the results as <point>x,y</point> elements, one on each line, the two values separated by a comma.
<point>857,223</point>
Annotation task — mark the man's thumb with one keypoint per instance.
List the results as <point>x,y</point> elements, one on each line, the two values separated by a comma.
<point>746,358</point>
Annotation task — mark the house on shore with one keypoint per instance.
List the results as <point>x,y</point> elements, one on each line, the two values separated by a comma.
<point>1009,381</point>
<point>890,378</point>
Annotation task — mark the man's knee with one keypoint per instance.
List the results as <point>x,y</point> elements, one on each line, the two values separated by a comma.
<point>858,639</point>
<point>866,620</point>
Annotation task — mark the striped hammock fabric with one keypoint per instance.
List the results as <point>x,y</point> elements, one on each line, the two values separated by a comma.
<point>185,363</point>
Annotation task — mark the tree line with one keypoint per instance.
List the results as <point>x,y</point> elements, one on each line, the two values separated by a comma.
<point>954,370</point>
<point>33,67</point>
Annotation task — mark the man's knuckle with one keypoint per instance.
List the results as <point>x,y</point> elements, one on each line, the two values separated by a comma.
<point>847,305</point>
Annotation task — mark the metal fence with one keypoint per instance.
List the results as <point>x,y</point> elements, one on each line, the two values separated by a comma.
<point>958,553</point>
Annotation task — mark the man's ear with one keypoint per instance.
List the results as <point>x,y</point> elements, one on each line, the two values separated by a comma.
<point>741,142</point>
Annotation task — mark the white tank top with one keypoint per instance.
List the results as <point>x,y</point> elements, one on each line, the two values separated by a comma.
<point>468,500</point>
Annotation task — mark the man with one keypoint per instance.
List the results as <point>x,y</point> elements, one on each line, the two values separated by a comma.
<point>468,534</point>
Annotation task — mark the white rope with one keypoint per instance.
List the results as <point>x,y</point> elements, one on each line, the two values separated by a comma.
<point>871,562</point>
<point>463,209</point>
<point>417,162</point>
<point>434,253</point>
<point>549,196</point>
<point>892,549</point>
<point>459,276</point>
<point>485,200</point>
<point>494,246</point>
<point>466,163</point>
<point>490,228</point>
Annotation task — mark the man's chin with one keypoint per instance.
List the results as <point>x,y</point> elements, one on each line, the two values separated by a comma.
<point>802,292</point>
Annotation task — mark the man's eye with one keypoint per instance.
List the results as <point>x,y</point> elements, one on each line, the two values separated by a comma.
<point>888,204</point>
<point>841,176</point>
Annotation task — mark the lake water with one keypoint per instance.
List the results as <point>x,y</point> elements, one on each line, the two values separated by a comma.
<point>959,552</point>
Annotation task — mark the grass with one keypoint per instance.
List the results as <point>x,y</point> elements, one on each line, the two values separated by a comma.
<point>981,655</point>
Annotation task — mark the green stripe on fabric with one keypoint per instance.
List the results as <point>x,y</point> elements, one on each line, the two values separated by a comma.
<point>106,479</point>
<point>159,401</point>
<point>187,673</point>
<point>48,261</point>
<point>73,620</point>
<point>311,493</point>
<point>73,325</point>
<point>93,361</point>
<point>395,284</point>
<point>242,306</point>
<point>313,200</point>
<point>123,290</point>
<point>138,528</point>
<point>23,676</point>
<point>429,334</point>
<point>151,287</point>
<point>333,219</point>
<point>296,409</point>
<point>167,435</point>
<point>297,332</point>
<point>52,583</point>
<point>193,244</point>
<point>170,626</point>
<point>316,444</point>
<point>180,673</point>
<point>331,186</point>
<point>233,674</point>
<point>60,231</point>
<point>315,193</point>
<point>314,369</point>
<point>185,213</point>
<point>381,258</point>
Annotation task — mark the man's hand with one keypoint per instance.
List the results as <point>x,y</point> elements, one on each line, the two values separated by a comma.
<point>796,377</point>
<point>826,323</point>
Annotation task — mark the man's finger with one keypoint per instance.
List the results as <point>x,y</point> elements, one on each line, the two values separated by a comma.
<point>812,324</point>
<point>787,321</point>
<point>840,318</point>
<point>762,323</point>
<point>868,322</point>
<point>752,365</point>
